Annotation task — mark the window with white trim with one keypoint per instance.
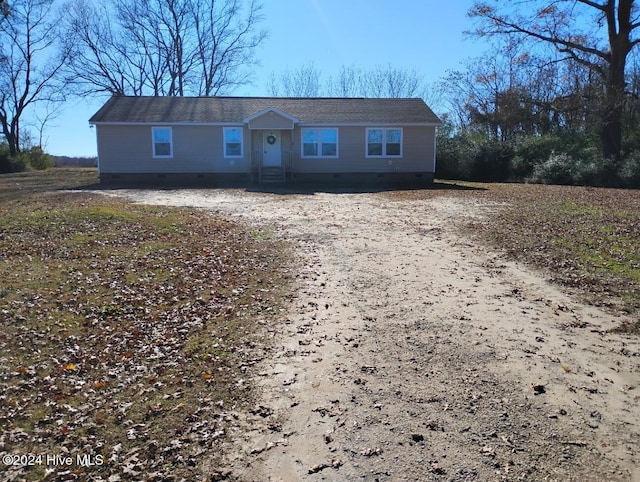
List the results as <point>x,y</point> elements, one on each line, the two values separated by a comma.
<point>233,142</point>
<point>162,142</point>
<point>384,142</point>
<point>318,142</point>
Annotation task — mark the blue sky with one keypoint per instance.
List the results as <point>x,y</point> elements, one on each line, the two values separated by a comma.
<point>426,35</point>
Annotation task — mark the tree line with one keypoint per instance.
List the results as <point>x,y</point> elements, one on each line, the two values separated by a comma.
<point>350,81</point>
<point>555,99</point>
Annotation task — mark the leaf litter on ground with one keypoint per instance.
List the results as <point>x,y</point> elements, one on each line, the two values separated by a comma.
<point>126,334</point>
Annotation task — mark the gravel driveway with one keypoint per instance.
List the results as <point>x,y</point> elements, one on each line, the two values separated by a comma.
<point>413,353</point>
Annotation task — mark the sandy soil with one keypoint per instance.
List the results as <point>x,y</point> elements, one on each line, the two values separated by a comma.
<point>413,353</point>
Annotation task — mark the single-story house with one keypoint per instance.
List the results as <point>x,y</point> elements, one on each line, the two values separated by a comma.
<point>265,139</point>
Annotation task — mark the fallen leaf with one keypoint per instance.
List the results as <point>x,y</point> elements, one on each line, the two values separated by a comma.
<point>538,388</point>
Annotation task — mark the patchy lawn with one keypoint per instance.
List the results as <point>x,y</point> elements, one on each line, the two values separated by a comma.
<point>21,184</point>
<point>126,332</point>
<point>587,239</point>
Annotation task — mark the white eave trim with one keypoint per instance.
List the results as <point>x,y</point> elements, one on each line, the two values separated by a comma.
<point>149,123</point>
<point>274,110</point>
<point>370,124</point>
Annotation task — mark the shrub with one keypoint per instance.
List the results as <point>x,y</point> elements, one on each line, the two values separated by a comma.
<point>19,162</point>
<point>5,158</point>
<point>548,159</point>
<point>532,151</point>
<point>448,159</point>
<point>591,169</point>
<point>473,159</point>
<point>38,159</point>
<point>557,169</point>
<point>34,158</point>
<point>630,170</point>
<point>631,139</point>
<point>490,161</point>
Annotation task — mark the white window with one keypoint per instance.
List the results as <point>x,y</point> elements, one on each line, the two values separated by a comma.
<point>233,142</point>
<point>384,142</point>
<point>162,142</point>
<point>320,142</point>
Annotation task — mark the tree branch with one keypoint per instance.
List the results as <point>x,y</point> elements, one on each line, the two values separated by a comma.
<point>512,27</point>
<point>596,5</point>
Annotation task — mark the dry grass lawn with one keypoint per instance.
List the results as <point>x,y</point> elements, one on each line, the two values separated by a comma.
<point>126,330</point>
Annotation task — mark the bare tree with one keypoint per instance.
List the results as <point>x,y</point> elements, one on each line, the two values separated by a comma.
<point>302,82</point>
<point>379,81</point>
<point>41,120</point>
<point>32,56</point>
<point>473,94</point>
<point>603,51</point>
<point>518,90</point>
<point>394,82</point>
<point>495,94</point>
<point>164,47</point>
<point>351,81</point>
<point>104,59</point>
<point>159,45</point>
<point>226,43</point>
<point>346,83</point>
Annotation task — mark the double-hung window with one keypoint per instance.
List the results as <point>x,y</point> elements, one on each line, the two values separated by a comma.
<point>318,142</point>
<point>162,142</point>
<point>233,142</point>
<point>384,142</point>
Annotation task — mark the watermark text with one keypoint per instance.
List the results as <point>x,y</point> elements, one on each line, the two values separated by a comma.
<point>52,460</point>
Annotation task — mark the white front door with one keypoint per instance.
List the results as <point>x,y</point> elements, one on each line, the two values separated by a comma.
<point>272,151</point>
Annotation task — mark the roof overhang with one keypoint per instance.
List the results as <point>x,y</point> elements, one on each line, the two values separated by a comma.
<point>271,118</point>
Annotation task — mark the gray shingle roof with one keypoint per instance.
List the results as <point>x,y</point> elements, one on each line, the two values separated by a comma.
<point>123,109</point>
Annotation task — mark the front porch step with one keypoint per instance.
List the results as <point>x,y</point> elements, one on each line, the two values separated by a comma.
<point>272,175</point>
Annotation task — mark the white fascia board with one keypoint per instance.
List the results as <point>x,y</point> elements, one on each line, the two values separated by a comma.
<point>370,124</point>
<point>147,123</point>
<point>304,124</point>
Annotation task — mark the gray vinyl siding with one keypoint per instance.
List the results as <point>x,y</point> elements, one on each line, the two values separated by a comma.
<point>273,121</point>
<point>199,149</point>
<point>196,149</point>
<point>417,152</point>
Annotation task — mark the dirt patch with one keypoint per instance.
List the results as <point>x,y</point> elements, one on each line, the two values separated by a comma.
<point>413,353</point>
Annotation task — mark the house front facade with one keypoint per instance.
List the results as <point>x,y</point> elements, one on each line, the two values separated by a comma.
<point>265,139</point>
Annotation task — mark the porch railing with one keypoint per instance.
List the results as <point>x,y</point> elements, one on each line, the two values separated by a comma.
<point>287,160</point>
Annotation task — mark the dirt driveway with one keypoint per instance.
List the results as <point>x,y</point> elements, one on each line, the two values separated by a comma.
<point>413,353</point>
